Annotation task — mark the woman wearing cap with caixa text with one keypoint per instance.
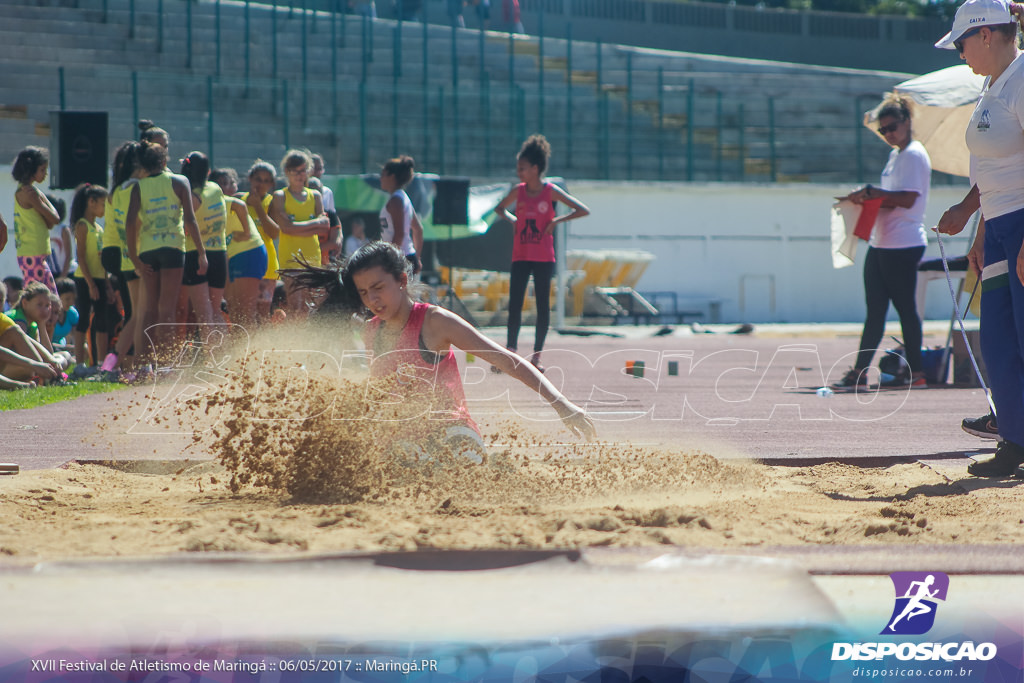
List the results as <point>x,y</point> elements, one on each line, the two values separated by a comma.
<point>985,34</point>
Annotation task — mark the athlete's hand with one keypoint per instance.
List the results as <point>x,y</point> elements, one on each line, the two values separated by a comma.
<point>203,264</point>
<point>577,422</point>
<point>141,268</point>
<point>44,370</point>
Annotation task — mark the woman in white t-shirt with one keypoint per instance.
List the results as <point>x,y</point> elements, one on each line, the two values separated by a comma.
<point>897,244</point>
<point>399,223</point>
<point>985,34</point>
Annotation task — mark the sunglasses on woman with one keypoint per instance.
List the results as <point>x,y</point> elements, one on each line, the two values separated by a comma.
<point>891,128</point>
<point>959,42</point>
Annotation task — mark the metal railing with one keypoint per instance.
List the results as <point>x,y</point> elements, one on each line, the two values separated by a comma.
<point>689,132</point>
<point>369,100</point>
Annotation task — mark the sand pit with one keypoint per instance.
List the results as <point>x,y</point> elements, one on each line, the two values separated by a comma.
<point>651,499</point>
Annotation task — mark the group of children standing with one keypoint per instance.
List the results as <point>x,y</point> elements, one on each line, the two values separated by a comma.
<point>164,248</point>
<point>171,250</point>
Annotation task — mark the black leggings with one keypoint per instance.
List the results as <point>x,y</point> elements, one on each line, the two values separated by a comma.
<point>111,259</point>
<point>100,315</point>
<point>891,275</point>
<point>519,278</point>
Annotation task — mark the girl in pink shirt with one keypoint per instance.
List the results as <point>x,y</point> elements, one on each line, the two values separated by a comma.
<point>533,246</point>
<point>412,344</point>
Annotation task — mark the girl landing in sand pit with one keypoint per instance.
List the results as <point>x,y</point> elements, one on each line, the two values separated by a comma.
<point>413,341</point>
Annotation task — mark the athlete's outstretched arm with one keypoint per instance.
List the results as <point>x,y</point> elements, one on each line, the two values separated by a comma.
<point>443,329</point>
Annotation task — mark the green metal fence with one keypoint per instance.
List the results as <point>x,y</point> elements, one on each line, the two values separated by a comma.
<point>348,87</point>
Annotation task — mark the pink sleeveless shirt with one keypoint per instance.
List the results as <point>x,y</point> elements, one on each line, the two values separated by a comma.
<point>435,382</point>
<point>533,215</point>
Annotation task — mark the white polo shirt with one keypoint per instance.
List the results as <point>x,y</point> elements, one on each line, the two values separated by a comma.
<point>995,137</point>
<point>908,170</point>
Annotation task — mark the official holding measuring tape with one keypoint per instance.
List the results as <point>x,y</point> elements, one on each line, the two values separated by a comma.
<point>985,34</point>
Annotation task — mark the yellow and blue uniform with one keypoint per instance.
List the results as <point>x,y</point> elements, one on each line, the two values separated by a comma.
<point>247,256</point>
<point>252,239</point>
<point>272,264</point>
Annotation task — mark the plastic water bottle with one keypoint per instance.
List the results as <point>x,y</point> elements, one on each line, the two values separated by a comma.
<point>824,392</point>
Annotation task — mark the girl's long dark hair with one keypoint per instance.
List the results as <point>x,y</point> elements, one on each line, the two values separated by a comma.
<point>335,280</point>
<point>196,167</point>
<point>83,194</point>
<point>327,279</point>
<point>125,159</point>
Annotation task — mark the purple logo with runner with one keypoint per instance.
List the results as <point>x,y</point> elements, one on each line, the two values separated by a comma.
<point>916,595</point>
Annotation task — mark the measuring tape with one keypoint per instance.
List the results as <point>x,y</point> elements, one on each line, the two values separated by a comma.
<point>960,321</point>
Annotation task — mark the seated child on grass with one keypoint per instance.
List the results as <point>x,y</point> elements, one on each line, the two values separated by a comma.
<point>31,313</point>
<point>66,316</point>
<point>19,362</point>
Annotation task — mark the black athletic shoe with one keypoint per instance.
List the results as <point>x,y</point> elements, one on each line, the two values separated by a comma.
<point>853,378</point>
<point>1004,463</point>
<point>981,427</point>
<point>1019,473</point>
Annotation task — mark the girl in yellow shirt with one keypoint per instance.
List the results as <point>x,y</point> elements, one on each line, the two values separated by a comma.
<point>257,201</point>
<point>92,295</point>
<point>155,239</point>
<point>299,212</point>
<point>126,174</point>
<point>247,255</point>
<point>34,216</point>
<point>206,290</point>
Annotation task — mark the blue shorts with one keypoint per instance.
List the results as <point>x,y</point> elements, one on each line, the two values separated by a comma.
<point>252,263</point>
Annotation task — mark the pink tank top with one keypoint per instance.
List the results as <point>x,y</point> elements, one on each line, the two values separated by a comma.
<point>533,215</point>
<point>433,384</point>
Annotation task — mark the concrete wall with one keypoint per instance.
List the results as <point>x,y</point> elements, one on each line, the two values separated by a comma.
<point>759,252</point>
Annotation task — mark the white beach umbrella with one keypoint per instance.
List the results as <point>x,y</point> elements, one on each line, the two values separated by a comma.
<point>943,103</point>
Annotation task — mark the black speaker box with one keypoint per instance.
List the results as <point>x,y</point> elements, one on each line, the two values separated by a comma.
<point>78,148</point>
<point>451,201</point>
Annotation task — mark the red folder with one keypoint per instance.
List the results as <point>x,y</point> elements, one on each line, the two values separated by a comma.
<point>866,221</point>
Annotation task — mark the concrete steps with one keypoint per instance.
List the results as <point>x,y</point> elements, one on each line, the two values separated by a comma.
<point>323,110</point>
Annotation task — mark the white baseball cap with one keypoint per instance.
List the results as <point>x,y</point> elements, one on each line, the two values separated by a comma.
<point>975,14</point>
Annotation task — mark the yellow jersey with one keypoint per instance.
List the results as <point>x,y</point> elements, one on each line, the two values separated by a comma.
<point>5,324</point>
<point>289,246</point>
<point>116,233</point>
<point>272,266</point>
<point>211,216</point>
<point>160,213</point>
<point>252,239</point>
<point>31,236</point>
<point>93,247</point>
